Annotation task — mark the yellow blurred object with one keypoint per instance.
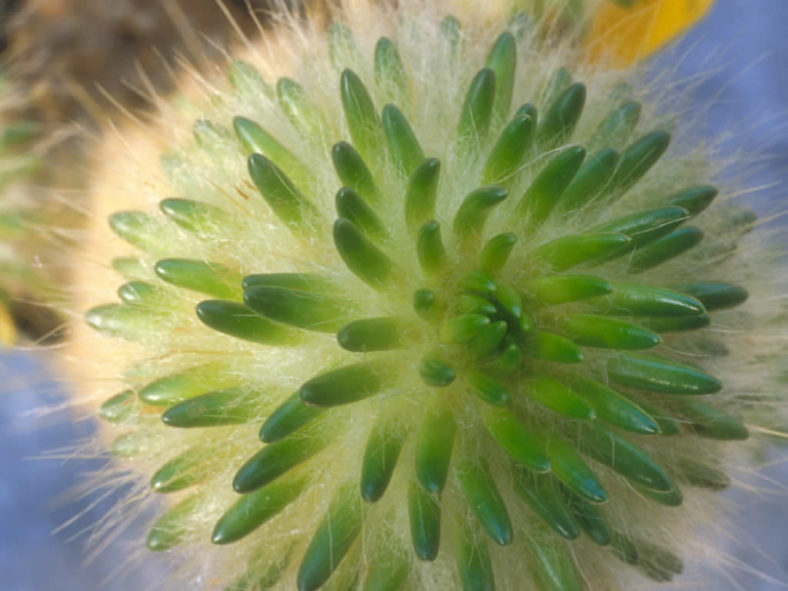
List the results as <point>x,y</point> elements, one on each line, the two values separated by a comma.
<point>8,333</point>
<point>628,31</point>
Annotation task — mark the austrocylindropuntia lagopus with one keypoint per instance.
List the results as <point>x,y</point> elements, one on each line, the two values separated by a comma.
<point>423,302</point>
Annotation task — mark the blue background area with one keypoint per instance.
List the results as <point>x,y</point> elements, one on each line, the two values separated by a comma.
<point>748,79</point>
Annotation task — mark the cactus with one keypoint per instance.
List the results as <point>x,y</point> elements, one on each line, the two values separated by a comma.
<point>17,210</point>
<point>440,308</point>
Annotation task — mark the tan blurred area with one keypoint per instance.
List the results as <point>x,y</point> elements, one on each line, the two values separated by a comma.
<point>62,52</point>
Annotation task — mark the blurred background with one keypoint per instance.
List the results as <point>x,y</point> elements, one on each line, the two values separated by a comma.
<point>59,50</point>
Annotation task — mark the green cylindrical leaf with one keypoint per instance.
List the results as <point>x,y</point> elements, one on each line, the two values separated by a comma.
<point>715,295</point>
<point>567,465</point>
<point>509,361</point>
<point>304,309</point>
<point>540,492</point>
<point>424,513</point>
<point>193,216</point>
<point>254,139</point>
<point>387,571</point>
<point>299,109</point>
<point>658,563</point>
<point>590,330</point>
<point>645,300</point>
<point>118,408</point>
<point>333,538</point>
<point>552,347</point>
<point>496,252</point>
<point>180,472</point>
<point>656,374</point>
<point>461,329</point>
<point>488,388</point>
<point>450,28</point>
<point>253,509</point>
<point>712,423</point>
<point>473,211</point>
<point>127,322</point>
<point>590,181</point>
<point>288,417</point>
<point>276,459</point>
<point>247,81</point>
<point>342,48</point>
<point>480,283</point>
<point>429,248</point>
<point>703,475</point>
<point>473,562</point>
<point>623,548</point>
<point>590,518</point>
<point>361,116</point>
<point>638,159</point>
<point>390,73</point>
<point>562,116</point>
<point>421,193</point>
<point>694,199</point>
<point>380,457</point>
<point>506,156</point>
<point>670,498</point>
<point>558,82</point>
<point>403,145</point>
<point>614,408</point>
<point>627,459</point>
<point>515,438</point>
<point>547,189</point>
<point>424,303</point>
<point>478,486</point>
<point>129,267</point>
<point>362,257</point>
<point>552,563</point>
<point>235,319</point>
<point>204,277</point>
<point>503,61</point>
<point>352,207</point>
<point>180,386</point>
<point>436,372</point>
<point>477,109</point>
<point>666,248</point>
<point>570,251</point>
<point>647,226</point>
<point>344,385</point>
<point>556,396</point>
<point>667,425</point>
<point>434,447</point>
<point>310,282</point>
<point>286,201</point>
<point>470,303</point>
<point>489,338</point>
<point>615,129</point>
<point>138,229</point>
<point>676,323</point>
<point>561,289</point>
<point>170,529</point>
<point>142,295</point>
<point>213,409</point>
<point>370,334</point>
<point>353,173</point>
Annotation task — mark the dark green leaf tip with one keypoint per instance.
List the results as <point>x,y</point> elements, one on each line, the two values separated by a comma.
<point>362,257</point>
<point>436,373</point>
<point>476,113</point>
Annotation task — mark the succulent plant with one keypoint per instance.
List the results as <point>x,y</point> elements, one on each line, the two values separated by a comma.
<point>17,208</point>
<point>439,309</point>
